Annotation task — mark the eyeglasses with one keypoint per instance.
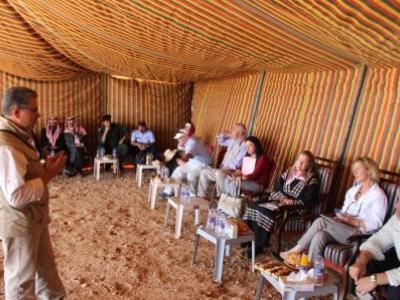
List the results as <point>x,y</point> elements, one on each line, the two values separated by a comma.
<point>31,109</point>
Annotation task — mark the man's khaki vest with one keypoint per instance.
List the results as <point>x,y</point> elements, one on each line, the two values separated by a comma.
<point>17,222</point>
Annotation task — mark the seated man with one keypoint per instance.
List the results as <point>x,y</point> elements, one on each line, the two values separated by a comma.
<point>142,141</point>
<point>375,265</point>
<point>236,150</point>
<point>111,136</point>
<point>74,136</point>
<point>195,157</point>
<point>51,138</point>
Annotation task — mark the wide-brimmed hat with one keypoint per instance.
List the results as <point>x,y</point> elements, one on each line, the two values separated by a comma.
<point>169,154</point>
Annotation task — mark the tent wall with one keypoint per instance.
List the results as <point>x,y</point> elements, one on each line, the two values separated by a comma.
<point>164,106</point>
<point>376,130</point>
<point>218,104</point>
<point>319,111</point>
<point>305,111</point>
<point>82,98</point>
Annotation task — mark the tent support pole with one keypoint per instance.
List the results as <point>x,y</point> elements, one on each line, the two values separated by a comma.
<point>256,102</point>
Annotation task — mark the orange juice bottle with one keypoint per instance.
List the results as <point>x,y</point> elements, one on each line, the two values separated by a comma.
<point>304,262</point>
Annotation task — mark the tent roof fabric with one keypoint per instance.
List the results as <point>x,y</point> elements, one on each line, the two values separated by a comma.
<point>194,40</point>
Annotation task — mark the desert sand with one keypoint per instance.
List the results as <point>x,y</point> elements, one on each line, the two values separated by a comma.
<point>110,245</point>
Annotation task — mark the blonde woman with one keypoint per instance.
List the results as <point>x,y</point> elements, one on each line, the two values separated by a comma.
<point>363,211</point>
<point>299,185</point>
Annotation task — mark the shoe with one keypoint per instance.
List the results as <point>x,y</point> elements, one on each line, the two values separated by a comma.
<point>69,173</point>
<point>258,251</point>
<point>164,195</point>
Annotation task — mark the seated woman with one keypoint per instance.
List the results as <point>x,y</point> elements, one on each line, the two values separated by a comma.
<point>299,185</point>
<point>74,135</point>
<point>255,181</point>
<point>363,211</point>
<point>51,138</point>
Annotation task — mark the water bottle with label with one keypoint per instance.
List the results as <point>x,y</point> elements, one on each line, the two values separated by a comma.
<point>211,219</point>
<point>102,152</point>
<point>222,224</point>
<point>319,269</point>
<point>185,193</point>
<point>164,172</point>
<point>114,153</point>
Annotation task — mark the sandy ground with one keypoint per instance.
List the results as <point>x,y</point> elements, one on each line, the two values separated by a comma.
<point>109,245</point>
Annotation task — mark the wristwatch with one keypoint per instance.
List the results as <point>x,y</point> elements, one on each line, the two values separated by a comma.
<point>374,279</point>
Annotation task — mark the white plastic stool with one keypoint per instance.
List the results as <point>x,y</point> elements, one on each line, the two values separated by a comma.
<point>158,184</point>
<point>193,203</point>
<point>139,172</point>
<point>98,162</point>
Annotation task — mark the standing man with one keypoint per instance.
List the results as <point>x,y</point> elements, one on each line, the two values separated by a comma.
<point>29,264</point>
<point>142,141</point>
<point>236,150</point>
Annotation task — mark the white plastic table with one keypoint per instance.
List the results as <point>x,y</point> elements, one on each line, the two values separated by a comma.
<point>98,162</point>
<point>158,184</point>
<point>223,246</point>
<point>139,172</point>
<point>195,203</point>
<point>291,293</point>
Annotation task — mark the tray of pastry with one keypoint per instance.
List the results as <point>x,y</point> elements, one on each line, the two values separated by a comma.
<point>292,260</point>
<point>242,227</point>
<point>266,264</point>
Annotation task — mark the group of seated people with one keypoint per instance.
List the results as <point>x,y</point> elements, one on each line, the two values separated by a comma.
<point>69,137</point>
<point>363,211</point>
<point>193,163</point>
<point>112,137</point>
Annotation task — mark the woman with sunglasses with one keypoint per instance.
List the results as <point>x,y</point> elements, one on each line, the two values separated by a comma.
<point>363,211</point>
<point>74,135</point>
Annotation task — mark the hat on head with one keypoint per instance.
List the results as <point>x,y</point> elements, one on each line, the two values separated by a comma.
<point>169,154</point>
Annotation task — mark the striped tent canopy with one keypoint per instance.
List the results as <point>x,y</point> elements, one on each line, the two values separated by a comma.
<point>194,40</point>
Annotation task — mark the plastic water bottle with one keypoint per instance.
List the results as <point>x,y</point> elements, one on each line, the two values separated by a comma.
<point>164,172</point>
<point>217,228</point>
<point>319,269</point>
<point>211,219</point>
<point>220,223</point>
<point>149,158</point>
<point>102,152</point>
<point>114,153</point>
<point>185,193</point>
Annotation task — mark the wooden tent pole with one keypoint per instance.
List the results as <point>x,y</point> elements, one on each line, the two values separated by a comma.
<point>105,91</point>
<point>256,103</point>
<point>350,128</point>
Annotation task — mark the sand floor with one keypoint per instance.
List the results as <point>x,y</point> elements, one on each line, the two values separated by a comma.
<point>109,245</point>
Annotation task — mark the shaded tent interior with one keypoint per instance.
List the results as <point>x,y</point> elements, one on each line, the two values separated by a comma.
<point>317,75</point>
